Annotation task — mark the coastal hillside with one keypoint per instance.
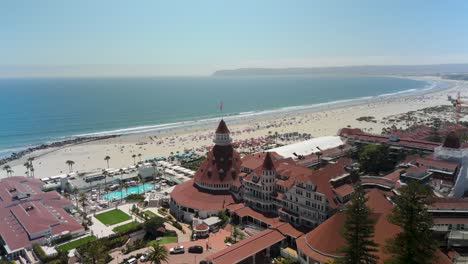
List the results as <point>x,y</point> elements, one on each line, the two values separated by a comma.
<point>436,69</point>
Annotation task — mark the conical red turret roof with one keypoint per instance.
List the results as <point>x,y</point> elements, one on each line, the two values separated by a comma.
<point>268,162</point>
<point>222,128</point>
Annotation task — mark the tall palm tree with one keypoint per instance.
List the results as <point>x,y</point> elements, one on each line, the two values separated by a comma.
<point>154,168</point>
<point>82,201</point>
<point>6,168</point>
<point>139,157</point>
<point>70,164</point>
<point>138,181</point>
<point>32,171</point>
<point>123,185</point>
<point>121,171</point>
<point>107,158</point>
<point>30,160</point>
<point>341,147</point>
<point>10,171</point>
<point>134,161</point>
<point>158,254</point>
<point>27,166</point>
<point>106,190</point>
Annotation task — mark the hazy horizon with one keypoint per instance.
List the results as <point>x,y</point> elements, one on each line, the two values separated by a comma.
<point>152,38</point>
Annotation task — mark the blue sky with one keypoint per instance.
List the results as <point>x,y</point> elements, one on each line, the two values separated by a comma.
<point>197,37</point>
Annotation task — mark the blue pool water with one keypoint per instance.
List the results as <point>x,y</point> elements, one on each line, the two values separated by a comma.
<point>131,190</point>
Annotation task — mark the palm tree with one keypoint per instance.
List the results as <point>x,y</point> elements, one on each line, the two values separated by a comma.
<point>121,171</point>
<point>106,190</point>
<point>107,158</point>
<point>28,166</point>
<point>154,168</point>
<point>75,195</point>
<point>10,171</point>
<point>82,201</point>
<point>30,160</point>
<point>341,147</point>
<point>134,161</point>
<point>6,168</point>
<point>158,254</point>
<point>139,157</point>
<point>70,164</point>
<point>138,181</point>
<point>105,174</point>
<point>32,171</point>
<point>125,186</point>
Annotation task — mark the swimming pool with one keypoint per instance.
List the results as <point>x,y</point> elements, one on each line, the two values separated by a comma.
<point>131,190</point>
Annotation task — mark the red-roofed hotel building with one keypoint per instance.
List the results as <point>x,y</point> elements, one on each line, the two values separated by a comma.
<point>266,183</point>
<point>29,215</point>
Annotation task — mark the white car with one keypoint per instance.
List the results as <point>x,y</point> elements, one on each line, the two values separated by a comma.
<point>177,250</point>
<point>144,258</point>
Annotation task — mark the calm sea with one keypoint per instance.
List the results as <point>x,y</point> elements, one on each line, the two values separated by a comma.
<point>34,111</point>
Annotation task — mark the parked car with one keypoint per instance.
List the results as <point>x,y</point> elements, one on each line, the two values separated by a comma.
<point>144,258</point>
<point>132,261</point>
<point>177,250</point>
<point>195,249</point>
<point>203,262</point>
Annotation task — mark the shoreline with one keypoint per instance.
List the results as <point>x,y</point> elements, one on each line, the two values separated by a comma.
<point>231,117</point>
<point>191,135</point>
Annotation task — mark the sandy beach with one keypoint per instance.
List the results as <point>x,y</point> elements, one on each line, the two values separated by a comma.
<point>90,156</point>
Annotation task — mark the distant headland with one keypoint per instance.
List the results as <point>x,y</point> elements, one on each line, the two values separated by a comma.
<point>435,69</point>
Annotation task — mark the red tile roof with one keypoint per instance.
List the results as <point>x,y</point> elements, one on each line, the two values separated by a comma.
<point>222,166</point>
<point>417,170</point>
<point>451,220</point>
<point>191,196</point>
<point>256,160</point>
<point>247,247</point>
<point>324,240</point>
<point>36,214</point>
<point>201,227</point>
<point>449,203</point>
<point>437,163</point>
<point>344,189</point>
<point>266,218</point>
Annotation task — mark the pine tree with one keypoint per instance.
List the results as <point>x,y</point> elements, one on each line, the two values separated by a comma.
<point>414,244</point>
<point>358,231</point>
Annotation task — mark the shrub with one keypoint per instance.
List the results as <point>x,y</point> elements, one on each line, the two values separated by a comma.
<point>177,225</point>
<point>128,228</point>
<point>135,197</point>
<point>62,239</point>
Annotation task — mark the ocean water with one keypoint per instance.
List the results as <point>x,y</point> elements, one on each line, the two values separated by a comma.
<point>35,111</point>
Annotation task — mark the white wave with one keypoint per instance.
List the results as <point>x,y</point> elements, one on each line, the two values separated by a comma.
<point>242,115</point>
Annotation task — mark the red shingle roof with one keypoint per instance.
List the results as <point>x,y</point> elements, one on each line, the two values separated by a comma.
<point>324,240</point>
<point>37,214</point>
<point>247,247</point>
<point>222,166</point>
<point>189,195</point>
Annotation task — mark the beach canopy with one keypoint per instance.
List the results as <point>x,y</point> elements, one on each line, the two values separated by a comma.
<point>309,146</point>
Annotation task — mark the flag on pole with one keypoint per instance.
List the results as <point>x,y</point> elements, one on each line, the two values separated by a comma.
<point>221,106</point>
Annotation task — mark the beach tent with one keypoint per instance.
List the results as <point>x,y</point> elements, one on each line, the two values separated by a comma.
<point>309,146</point>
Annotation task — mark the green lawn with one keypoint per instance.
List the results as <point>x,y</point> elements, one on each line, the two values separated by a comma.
<point>164,240</point>
<point>150,214</point>
<point>77,243</point>
<point>125,228</point>
<point>113,217</point>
